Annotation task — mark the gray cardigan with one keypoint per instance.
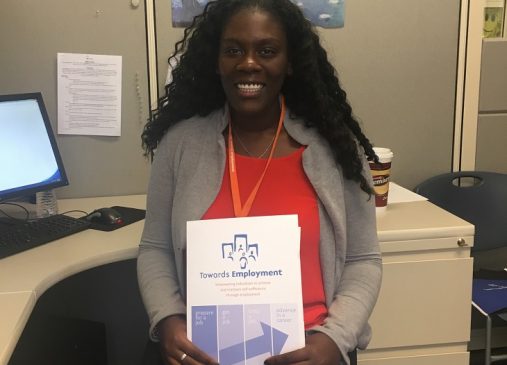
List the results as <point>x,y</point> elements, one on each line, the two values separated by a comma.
<point>186,176</point>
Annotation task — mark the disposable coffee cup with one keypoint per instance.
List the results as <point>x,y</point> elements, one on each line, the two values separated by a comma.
<point>381,173</point>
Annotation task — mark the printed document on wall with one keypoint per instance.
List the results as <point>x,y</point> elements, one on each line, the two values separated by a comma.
<point>244,296</point>
<point>89,94</point>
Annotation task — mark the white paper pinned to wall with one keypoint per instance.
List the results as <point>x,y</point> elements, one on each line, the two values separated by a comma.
<point>89,94</point>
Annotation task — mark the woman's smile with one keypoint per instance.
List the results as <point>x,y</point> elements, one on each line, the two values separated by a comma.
<point>250,89</point>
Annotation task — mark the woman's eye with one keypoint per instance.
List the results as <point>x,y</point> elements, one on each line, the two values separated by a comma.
<point>267,52</point>
<point>232,51</point>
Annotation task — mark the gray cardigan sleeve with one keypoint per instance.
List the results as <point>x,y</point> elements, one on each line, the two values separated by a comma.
<point>156,264</point>
<point>358,284</point>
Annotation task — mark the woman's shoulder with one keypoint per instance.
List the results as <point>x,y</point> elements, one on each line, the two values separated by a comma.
<point>195,127</point>
<point>198,124</point>
<point>299,130</point>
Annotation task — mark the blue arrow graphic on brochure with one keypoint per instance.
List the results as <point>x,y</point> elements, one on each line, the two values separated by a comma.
<point>254,347</point>
<point>279,339</point>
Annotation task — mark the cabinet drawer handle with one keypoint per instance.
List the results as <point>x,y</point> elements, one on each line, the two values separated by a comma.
<point>462,242</point>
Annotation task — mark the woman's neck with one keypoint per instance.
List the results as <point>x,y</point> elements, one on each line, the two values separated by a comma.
<point>256,123</point>
<point>253,135</point>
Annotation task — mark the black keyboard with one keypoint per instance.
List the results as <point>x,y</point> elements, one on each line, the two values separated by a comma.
<point>17,236</point>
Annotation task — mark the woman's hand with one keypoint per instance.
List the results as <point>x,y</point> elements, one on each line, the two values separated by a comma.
<point>319,350</point>
<point>176,348</point>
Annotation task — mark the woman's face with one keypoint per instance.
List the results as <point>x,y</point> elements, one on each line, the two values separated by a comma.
<point>253,62</point>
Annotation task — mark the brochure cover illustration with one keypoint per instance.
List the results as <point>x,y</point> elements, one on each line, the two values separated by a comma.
<point>244,298</point>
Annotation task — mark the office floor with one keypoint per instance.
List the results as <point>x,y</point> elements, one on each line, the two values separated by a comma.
<point>477,357</point>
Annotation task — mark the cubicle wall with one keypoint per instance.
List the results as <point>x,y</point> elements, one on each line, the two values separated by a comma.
<point>31,34</point>
<point>397,61</point>
<point>492,121</point>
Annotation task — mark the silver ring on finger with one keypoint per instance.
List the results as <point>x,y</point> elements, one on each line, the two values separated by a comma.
<point>183,357</point>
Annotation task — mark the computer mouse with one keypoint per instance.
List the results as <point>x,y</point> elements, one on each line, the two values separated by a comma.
<point>105,216</point>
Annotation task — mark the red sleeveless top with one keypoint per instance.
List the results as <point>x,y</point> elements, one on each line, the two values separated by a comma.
<point>284,190</point>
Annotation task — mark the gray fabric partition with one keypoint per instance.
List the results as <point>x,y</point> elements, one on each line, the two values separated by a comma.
<point>31,34</point>
<point>396,59</point>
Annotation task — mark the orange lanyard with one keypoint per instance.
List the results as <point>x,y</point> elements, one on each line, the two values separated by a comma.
<point>243,210</point>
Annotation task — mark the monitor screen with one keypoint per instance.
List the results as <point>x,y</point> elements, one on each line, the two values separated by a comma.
<point>29,157</point>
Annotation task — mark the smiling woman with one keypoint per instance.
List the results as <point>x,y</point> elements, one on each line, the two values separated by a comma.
<point>255,123</point>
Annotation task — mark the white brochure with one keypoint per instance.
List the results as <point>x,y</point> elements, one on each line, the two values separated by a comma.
<point>244,296</point>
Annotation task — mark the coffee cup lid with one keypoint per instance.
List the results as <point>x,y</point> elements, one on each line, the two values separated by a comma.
<point>384,154</point>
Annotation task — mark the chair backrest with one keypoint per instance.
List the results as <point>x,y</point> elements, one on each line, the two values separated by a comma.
<point>484,203</point>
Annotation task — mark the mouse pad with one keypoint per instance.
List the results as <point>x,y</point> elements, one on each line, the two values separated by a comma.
<point>129,215</point>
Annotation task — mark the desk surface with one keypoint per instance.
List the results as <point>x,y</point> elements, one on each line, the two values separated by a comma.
<point>27,275</point>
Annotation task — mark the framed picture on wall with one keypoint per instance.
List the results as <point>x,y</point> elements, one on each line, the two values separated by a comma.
<point>322,13</point>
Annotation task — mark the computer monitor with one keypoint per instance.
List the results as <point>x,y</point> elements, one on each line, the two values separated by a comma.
<point>29,158</point>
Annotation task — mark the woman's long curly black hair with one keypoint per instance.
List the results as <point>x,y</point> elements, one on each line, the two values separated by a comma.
<point>312,92</point>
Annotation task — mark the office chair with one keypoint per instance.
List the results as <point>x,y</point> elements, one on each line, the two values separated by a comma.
<point>481,199</point>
